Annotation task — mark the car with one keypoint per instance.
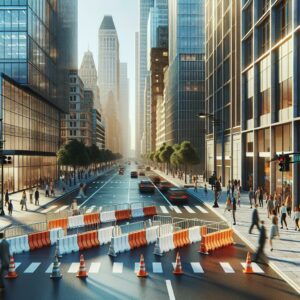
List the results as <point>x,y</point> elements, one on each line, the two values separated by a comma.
<point>156,180</point>
<point>177,194</point>
<point>134,174</point>
<point>121,172</point>
<point>148,168</point>
<point>141,173</point>
<point>164,186</point>
<point>146,186</point>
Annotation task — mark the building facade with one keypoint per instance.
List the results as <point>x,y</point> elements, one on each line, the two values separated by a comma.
<point>222,93</point>
<point>31,89</point>
<point>109,82</point>
<point>78,124</point>
<point>270,112</point>
<point>185,84</point>
<point>137,98</point>
<point>98,130</point>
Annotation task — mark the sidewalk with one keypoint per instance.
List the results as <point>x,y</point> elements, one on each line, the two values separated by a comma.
<point>32,215</point>
<point>285,258</point>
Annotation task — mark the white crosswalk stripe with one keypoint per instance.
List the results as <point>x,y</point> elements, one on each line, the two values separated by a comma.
<point>256,268</point>
<point>136,267</point>
<point>95,267</point>
<point>48,209</point>
<point>164,210</point>
<point>61,208</point>
<point>32,267</point>
<point>90,209</point>
<point>117,268</point>
<point>197,268</point>
<point>189,209</point>
<point>74,267</point>
<point>204,211</point>
<point>227,267</point>
<point>17,264</point>
<point>49,269</point>
<point>157,267</point>
<point>176,209</point>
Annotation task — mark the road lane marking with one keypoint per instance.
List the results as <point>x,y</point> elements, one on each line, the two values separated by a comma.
<point>164,210</point>
<point>128,191</point>
<point>157,267</point>
<point>256,268</point>
<point>49,269</point>
<point>33,266</point>
<point>136,267</point>
<point>170,290</point>
<point>95,267</point>
<point>87,199</point>
<point>48,209</point>
<point>176,209</point>
<point>61,208</point>
<point>117,268</point>
<point>227,267</point>
<point>91,209</point>
<point>204,211</point>
<point>17,264</point>
<point>189,209</point>
<point>160,192</point>
<point>74,267</point>
<point>197,268</point>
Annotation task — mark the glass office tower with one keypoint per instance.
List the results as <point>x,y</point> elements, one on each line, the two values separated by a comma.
<point>270,93</point>
<point>31,89</point>
<point>185,81</point>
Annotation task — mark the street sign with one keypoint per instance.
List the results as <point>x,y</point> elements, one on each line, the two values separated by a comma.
<point>297,157</point>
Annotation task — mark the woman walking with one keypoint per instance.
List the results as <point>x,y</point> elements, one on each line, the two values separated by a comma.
<point>10,208</point>
<point>297,218</point>
<point>270,205</point>
<point>288,204</point>
<point>283,213</point>
<point>274,231</point>
<point>23,201</point>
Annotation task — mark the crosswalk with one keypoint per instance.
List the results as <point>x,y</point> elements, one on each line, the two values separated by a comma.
<point>163,209</point>
<point>154,267</point>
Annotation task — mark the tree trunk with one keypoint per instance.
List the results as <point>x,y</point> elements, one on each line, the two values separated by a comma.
<point>185,170</point>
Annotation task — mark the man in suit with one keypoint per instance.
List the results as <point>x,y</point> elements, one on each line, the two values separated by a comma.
<point>261,242</point>
<point>255,219</point>
<point>4,259</point>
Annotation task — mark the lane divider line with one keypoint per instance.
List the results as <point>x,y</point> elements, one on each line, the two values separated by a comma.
<point>160,192</point>
<point>170,290</point>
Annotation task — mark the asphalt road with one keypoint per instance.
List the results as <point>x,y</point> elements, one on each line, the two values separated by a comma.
<point>215,276</point>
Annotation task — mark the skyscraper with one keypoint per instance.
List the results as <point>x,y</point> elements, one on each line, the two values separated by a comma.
<point>137,98</point>
<point>223,155</point>
<point>144,8</point>
<point>30,53</point>
<point>108,81</point>
<point>185,85</point>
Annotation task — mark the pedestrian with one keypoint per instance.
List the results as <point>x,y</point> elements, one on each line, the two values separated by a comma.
<point>277,202</point>
<point>232,189</point>
<point>6,197</point>
<point>195,184</point>
<point>296,218</point>
<point>52,189</point>
<point>37,196</point>
<point>10,208</point>
<point>238,196</point>
<point>274,231</point>
<point>255,219</point>
<point>4,259</point>
<point>270,205</point>
<point>228,204</point>
<point>205,189</point>
<point>257,195</point>
<point>30,195</point>
<point>283,212</point>
<point>47,190</point>
<point>288,204</point>
<point>251,196</point>
<point>23,201</point>
<point>261,197</point>
<point>74,207</point>
<point>261,242</point>
<point>233,209</point>
<point>81,191</point>
<point>228,188</point>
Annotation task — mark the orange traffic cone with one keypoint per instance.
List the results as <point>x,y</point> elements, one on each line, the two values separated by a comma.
<point>82,273</point>
<point>12,270</point>
<point>248,269</point>
<point>178,268</point>
<point>142,271</point>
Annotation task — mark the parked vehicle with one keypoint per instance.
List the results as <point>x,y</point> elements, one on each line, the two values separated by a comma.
<point>164,186</point>
<point>134,174</point>
<point>146,186</point>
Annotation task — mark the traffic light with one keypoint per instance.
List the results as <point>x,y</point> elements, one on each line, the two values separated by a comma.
<point>6,159</point>
<point>284,163</point>
<point>281,163</point>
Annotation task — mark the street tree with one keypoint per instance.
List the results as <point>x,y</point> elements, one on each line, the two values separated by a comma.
<point>165,156</point>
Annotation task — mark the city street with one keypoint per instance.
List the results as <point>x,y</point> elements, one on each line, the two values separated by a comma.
<point>205,276</point>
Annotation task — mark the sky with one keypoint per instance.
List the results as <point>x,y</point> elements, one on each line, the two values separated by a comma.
<point>125,15</point>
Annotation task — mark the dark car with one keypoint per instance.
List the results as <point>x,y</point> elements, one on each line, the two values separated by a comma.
<point>148,168</point>
<point>121,171</point>
<point>134,174</point>
<point>146,186</point>
<point>164,186</point>
<point>156,180</point>
<point>141,173</point>
<point>177,194</point>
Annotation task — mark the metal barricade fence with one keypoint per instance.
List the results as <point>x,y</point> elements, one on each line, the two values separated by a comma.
<point>161,220</point>
<point>136,205</point>
<point>25,229</point>
<point>128,228</point>
<point>59,215</point>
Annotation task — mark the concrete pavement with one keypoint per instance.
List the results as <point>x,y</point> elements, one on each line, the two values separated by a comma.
<point>285,257</point>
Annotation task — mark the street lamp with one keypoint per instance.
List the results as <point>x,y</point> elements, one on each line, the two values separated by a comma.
<point>215,122</point>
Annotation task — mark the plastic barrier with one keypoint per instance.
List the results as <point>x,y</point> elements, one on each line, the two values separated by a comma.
<point>39,240</point>
<point>18,244</point>
<point>105,235</point>
<point>58,223</point>
<point>166,229</point>
<point>107,216</point>
<point>137,212</point>
<point>124,214</point>
<point>88,240</point>
<point>151,234</point>
<point>120,243</point>
<point>91,219</point>
<point>149,211</point>
<point>194,234</point>
<point>55,234</point>
<point>75,221</point>
<point>68,244</point>
<point>167,243</point>
<point>137,239</point>
<point>180,238</point>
